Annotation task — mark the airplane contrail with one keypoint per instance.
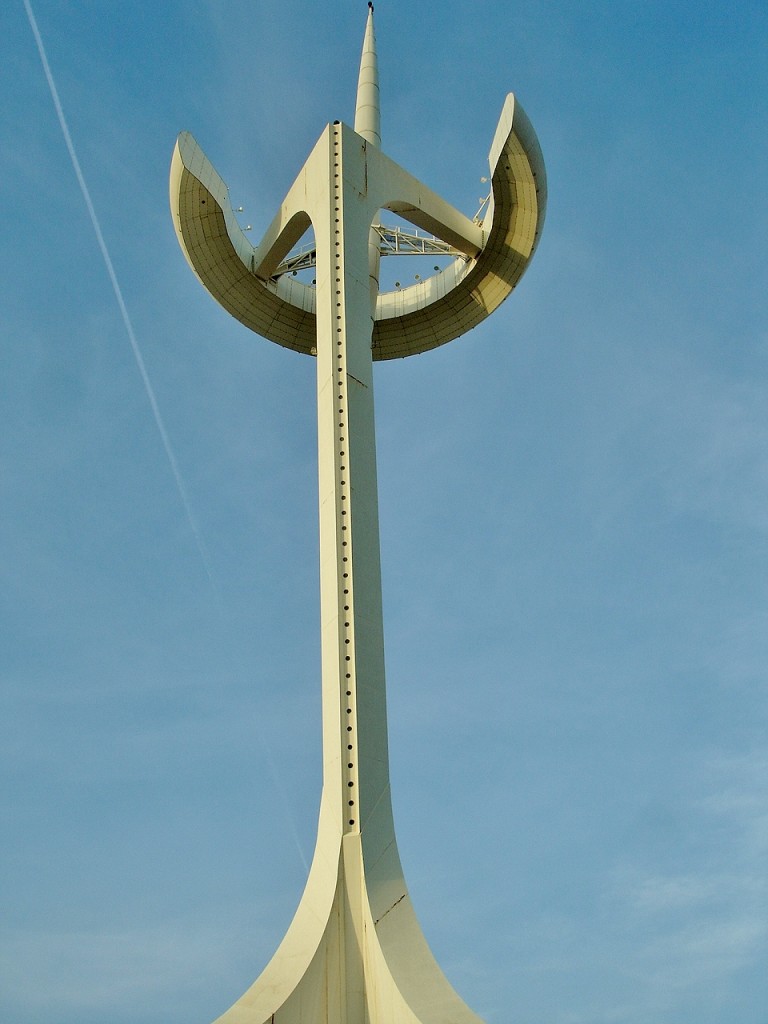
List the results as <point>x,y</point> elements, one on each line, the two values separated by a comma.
<point>203,551</point>
<point>269,757</point>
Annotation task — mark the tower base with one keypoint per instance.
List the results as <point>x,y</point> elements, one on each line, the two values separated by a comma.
<point>353,954</point>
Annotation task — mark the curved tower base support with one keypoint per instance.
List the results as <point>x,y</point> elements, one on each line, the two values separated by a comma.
<point>348,958</point>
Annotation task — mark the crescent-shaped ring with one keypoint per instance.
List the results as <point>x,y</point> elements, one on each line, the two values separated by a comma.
<point>407,321</point>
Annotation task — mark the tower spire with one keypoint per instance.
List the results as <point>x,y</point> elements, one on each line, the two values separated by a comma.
<point>367,110</point>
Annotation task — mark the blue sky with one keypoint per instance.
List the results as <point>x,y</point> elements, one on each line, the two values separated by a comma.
<point>574,516</point>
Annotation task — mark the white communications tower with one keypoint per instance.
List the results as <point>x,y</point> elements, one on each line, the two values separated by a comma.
<point>355,953</point>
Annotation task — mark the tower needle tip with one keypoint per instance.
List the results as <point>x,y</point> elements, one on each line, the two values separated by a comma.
<point>367,115</point>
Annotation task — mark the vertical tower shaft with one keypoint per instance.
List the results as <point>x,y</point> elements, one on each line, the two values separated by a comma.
<point>351,611</point>
<point>354,953</point>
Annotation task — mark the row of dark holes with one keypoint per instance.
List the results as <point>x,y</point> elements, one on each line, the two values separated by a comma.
<point>340,369</point>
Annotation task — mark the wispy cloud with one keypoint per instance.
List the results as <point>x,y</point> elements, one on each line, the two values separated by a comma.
<point>698,931</point>
<point>92,970</point>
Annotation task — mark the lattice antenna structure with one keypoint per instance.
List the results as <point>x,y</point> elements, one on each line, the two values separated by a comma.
<point>393,241</point>
<point>355,952</point>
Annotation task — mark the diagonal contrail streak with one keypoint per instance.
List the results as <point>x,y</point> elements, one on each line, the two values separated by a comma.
<point>203,551</point>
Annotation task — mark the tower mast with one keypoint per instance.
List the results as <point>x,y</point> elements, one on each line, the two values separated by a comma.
<point>355,953</point>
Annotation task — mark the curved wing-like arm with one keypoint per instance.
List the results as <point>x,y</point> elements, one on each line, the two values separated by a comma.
<point>222,257</point>
<point>454,301</point>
